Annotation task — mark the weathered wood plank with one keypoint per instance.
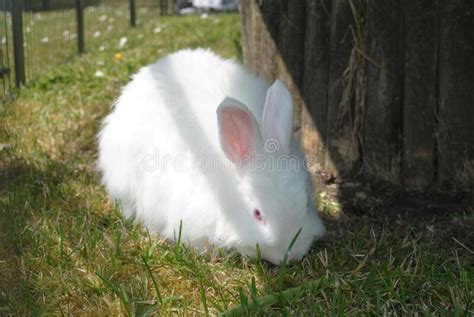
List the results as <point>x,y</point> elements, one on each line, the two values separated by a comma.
<point>291,37</point>
<point>456,92</point>
<point>245,31</point>
<point>315,78</point>
<point>420,89</point>
<point>340,153</point>
<point>270,12</point>
<point>256,32</point>
<point>383,110</point>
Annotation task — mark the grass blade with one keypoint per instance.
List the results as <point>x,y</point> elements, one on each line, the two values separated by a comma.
<point>273,298</point>
<point>121,294</point>
<point>155,284</point>
<point>202,294</point>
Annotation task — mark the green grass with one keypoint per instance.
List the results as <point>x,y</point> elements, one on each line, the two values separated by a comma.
<point>65,250</point>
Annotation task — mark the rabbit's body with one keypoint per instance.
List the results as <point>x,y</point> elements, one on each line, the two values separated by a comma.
<point>163,155</point>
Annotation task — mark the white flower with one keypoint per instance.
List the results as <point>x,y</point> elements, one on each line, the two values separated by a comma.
<point>66,33</point>
<point>99,74</point>
<point>204,16</point>
<point>45,39</point>
<point>100,63</point>
<point>102,48</point>
<point>157,30</point>
<point>4,146</point>
<point>27,29</point>
<point>122,42</point>
<point>96,34</point>
<point>103,18</point>
<point>109,28</point>
<point>4,40</point>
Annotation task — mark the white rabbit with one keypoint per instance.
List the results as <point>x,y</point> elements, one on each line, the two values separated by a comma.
<point>198,141</point>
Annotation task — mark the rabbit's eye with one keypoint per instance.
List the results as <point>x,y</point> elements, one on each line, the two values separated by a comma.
<point>258,215</point>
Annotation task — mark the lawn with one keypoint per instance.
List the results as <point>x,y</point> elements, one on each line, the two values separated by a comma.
<point>65,250</point>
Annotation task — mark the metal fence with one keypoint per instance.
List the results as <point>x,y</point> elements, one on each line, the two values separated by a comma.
<point>46,43</point>
<point>38,34</point>
<point>5,50</point>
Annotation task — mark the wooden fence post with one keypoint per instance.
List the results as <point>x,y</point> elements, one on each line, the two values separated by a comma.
<point>291,36</point>
<point>384,104</point>
<point>270,22</point>
<point>315,78</point>
<point>419,105</point>
<point>246,31</point>
<point>341,153</point>
<point>18,51</point>
<point>456,93</point>
<point>80,26</point>
<point>133,13</point>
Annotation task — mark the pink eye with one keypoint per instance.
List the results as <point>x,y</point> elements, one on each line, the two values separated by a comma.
<point>258,215</point>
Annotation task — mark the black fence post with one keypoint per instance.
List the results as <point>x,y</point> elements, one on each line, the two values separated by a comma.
<point>45,4</point>
<point>18,51</point>
<point>80,26</point>
<point>133,13</point>
<point>162,7</point>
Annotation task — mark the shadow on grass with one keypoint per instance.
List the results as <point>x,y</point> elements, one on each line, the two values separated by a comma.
<point>378,264</point>
<point>28,195</point>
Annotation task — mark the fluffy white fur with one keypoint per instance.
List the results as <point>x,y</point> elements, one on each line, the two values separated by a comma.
<point>185,142</point>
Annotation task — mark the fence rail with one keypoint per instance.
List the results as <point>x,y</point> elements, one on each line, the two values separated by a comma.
<point>31,42</point>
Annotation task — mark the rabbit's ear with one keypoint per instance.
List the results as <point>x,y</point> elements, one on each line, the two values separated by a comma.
<point>277,121</point>
<point>238,131</point>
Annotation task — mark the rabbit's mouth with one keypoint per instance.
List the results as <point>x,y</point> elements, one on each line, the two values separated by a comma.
<point>272,254</point>
<point>295,256</point>
<point>279,260</point>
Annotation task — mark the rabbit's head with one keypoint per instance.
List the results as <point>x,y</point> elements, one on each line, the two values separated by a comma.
<point>275,193</point>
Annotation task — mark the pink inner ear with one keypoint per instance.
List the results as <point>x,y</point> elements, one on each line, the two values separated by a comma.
<point>237,133</point>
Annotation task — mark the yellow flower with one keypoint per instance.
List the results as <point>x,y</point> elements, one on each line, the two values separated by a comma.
<point>118,56</point>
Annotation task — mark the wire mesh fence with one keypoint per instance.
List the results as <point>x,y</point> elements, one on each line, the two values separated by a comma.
<point>36,35</point>
<point>45,43</point>
<point>110,16</point>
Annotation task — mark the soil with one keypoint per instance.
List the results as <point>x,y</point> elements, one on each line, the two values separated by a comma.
<point>361,196</point>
